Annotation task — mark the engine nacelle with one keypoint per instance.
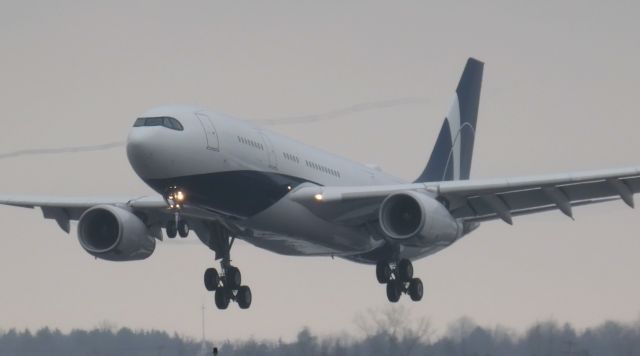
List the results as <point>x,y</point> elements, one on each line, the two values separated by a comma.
<point>417,219</point>
<point>115,234</point>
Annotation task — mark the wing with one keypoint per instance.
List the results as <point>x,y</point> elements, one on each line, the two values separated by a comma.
<point>480,200</point>
<point>65,209</point>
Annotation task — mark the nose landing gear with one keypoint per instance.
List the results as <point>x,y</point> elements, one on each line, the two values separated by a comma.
<point>175,198</point>
<point>399,279</point>
<point>177,226</point>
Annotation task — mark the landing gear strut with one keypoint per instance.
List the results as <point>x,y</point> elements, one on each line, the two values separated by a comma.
<point>399,279</point>
<point>228,284</point>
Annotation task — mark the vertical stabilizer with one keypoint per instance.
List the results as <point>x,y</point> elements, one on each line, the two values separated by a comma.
<point>452,153</point>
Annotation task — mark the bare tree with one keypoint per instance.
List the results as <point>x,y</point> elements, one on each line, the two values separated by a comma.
<point>393,330</point>
<point>107,326</point>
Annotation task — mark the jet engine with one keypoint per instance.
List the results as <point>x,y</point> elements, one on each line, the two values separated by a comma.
<point>115,234</point>
<point>417,219</point>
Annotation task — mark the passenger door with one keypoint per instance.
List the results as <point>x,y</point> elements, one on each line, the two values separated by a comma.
<point>271,152</point>
<point>210,132</point>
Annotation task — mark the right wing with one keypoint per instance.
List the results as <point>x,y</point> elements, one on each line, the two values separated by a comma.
<point>65,209</point>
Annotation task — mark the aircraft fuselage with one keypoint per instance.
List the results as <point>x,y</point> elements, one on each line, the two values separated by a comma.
<point>245,173</point>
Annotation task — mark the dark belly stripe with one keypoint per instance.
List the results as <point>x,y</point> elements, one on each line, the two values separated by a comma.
<point>240,193</point>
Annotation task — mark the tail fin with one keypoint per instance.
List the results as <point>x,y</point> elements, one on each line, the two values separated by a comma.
<point>451,155</point>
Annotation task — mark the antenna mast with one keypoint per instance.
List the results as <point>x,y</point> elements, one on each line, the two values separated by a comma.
<point>203,322</point>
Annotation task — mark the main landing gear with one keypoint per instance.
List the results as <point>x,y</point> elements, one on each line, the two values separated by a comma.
<point>227,285</point>
<point>399,279</point>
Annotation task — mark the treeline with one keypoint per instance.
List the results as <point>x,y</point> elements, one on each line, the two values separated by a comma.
<point>387,332</point>
<point>98,342</point>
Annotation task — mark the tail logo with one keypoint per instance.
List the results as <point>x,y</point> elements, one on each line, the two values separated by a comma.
<point>452,153</point>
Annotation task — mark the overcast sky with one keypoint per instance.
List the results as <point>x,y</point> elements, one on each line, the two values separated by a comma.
<point>560,94</point>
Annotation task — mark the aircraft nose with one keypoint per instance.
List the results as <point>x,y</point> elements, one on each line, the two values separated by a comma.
<point>139,140</point>
<point>142,151</point>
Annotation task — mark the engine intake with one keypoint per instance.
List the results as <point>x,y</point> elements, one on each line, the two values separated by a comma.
<point>417,219</point>
<point>112,233</point>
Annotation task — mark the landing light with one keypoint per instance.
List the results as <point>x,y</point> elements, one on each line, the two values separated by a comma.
<point>318,197</point>
<point>175,197</point>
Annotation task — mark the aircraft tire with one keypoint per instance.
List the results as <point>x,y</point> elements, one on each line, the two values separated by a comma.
<point>244,297</point>
<point>416,289</point>
<point>211,279</point>
<point>383,272</point>
<point>405,270</point>
<point>222,298</point>
<point>233,278</point>
<point>393,291</point>
<point>183,228</point>
<point>171,229</point>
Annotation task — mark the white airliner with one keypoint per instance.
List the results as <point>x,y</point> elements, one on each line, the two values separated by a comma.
<point>225,179</point>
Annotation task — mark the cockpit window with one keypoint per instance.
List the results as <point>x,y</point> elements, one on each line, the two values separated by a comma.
<point>154,121</point>
<point>139,122</point>
<point>175,123</point>
<point>166,121</point>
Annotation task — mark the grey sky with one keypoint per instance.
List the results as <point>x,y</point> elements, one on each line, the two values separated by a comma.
<point>560,94</point>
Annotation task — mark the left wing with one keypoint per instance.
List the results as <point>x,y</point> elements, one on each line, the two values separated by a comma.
<point>479,200</point>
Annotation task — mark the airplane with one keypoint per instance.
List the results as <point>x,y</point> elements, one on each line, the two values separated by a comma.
<point>228,179</point>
